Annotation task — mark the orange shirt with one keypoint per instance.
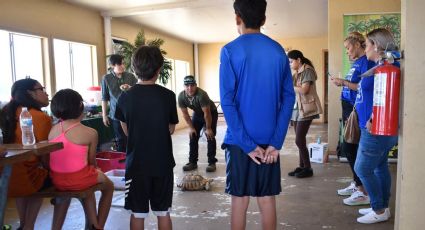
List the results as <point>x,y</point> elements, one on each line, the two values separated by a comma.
<point>28,177</point>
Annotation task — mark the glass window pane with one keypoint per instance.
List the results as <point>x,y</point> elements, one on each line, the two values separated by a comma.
<point>28,57</point>
<point>5,70</point>
<point>74,65</point>
<point>82,66</point>
<point>62,64</point>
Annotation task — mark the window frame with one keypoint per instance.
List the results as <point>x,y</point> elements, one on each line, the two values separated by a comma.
<point>11,52</point>
<point>93,59</point>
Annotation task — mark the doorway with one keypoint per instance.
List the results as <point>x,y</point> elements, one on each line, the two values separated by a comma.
<point>325,55</point>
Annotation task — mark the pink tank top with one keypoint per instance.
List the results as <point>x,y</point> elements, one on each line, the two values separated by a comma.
<point>71,158</point>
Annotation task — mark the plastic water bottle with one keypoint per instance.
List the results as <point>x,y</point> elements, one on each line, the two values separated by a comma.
<point>1,136</point>
<point>319,140</point>
<point>26,127</point>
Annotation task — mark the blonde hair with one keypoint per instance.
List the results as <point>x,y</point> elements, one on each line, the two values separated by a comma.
<point>354,37</point>
<point>383,39</point>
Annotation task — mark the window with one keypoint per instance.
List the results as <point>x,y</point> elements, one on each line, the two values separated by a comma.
<point>75,65</point>
<point>21,55</point>
<point>181,70</point>
<point>170,84</point>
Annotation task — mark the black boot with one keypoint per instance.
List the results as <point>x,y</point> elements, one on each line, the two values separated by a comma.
<point>297,170</point>
<point>190,166</point>
<point>211,168</point>
<point>306,172</point>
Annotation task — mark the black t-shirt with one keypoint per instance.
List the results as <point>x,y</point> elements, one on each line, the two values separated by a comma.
<point>148,110</point>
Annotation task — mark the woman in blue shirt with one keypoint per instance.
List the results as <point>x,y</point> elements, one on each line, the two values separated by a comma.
<point>372,156</point>
<point>355,45</point>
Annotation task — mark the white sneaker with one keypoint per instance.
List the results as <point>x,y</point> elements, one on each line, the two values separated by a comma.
<point>348,190</point>
<point>364,211</point>
<point>357,198</point>
<point>372,217</point>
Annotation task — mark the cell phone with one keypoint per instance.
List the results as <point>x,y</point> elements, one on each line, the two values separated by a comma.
<point>339,76</point>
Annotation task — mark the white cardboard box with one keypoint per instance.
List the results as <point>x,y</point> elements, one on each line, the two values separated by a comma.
<point>117,176</point>
<point>318,152</point>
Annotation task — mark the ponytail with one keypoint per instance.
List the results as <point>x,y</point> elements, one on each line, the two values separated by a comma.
<point>295,54</point>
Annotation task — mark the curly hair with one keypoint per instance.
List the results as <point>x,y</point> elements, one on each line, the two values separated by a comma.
<point>354,37</point>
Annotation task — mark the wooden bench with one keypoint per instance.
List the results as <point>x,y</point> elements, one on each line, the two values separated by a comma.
<point>57,195</point>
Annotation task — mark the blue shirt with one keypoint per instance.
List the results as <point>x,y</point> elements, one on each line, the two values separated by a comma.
<point>256,91</point>
<point>111,88</point>
<point>364,100</point>
<point>360,66</point>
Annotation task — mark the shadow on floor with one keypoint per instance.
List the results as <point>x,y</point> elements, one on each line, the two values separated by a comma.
<point>304,204</point>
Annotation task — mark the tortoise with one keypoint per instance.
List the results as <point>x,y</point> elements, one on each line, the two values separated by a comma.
<point>196,182</point>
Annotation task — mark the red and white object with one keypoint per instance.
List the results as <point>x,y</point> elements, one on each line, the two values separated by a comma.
<point>386,95</point>
<point>109,160</point>
<point>93,95</point>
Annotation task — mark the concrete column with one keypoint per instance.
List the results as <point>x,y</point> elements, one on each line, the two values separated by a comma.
<point>108,34</point>
<point>196,61</point>
<point>410,205</point>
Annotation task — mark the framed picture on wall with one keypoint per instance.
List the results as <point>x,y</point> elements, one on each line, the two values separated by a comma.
<point>364,23</point>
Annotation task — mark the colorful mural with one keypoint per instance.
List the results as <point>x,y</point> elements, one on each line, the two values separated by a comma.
<point>365,23</point>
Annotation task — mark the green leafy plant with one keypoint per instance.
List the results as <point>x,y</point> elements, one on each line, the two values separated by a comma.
<point>127,49</point>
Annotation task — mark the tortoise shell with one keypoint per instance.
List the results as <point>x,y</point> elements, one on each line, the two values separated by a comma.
<point>192,182</point>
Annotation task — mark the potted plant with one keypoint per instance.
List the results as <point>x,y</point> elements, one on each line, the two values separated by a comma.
<point>127,49</point>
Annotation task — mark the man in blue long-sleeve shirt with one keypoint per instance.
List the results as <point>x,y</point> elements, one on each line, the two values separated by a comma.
<point>257,98</point>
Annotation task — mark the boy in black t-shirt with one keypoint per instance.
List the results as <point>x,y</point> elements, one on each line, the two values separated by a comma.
<point>148,115</point>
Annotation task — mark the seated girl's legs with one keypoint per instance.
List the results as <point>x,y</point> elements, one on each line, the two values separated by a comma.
<point>21,206</point>
<point>106,198</point>
<point>59,214</point>
<point>90,209</point>
<point>238,216</point>
<point>267,206</point>
<point>28,210</point>
<point>98,219</point>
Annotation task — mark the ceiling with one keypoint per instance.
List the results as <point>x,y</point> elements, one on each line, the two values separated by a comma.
<point>208,21</point>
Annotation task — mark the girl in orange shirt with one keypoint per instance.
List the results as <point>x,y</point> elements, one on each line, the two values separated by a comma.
<point>29,176</point>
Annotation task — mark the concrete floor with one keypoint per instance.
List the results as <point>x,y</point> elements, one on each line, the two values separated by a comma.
<point>304,204</point>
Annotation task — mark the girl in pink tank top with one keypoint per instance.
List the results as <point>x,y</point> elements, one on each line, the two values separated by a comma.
<point>74,166</point>
<point>72,158</point>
